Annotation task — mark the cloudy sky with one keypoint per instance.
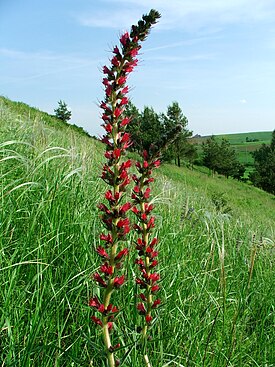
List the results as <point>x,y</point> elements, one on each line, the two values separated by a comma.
<point>215,57</point>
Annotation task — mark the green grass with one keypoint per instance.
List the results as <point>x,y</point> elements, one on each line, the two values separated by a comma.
<point>242,147</point>
<point>218,305</point>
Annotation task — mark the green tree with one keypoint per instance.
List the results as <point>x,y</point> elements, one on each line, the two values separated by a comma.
<point>151,128</point>
<point>210,150</point>
<point>179,147</point>
<point>134,127</point>
<point>62,112</point>
<point>145,127</point>
<point>221,158</point>
<point>264,173</point>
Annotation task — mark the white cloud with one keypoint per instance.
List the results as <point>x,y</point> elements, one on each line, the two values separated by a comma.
<point>188,14</point>
<point>109,19</point>
<point>243,101</point>
<point>35,65</point>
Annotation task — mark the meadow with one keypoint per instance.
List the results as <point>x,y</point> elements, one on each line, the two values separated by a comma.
<point>216,256</point>
<point>243,143</point>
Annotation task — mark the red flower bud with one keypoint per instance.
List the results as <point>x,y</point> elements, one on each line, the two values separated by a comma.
<point>118,281</point>
<point>154,277</point>
<point>97,321</point>
<point>148,318</point>
<point>121,254</point>
<point>106,269</point>
<point>115,61</point>
<point>156,303</point>
<point>147,193</point>
<point>106,70</point>
<point>125,38</point>
<point>141,309</point>
<point>116,50</point>
<point>99,280</point>
<point>121,80</point>
<point>117,153</point>
<point>142,296</point>
<point>102,252</point>
<point>154,288</point>
<point>94,302</point>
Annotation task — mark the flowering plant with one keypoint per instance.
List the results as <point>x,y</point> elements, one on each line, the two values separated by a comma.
<point>115,173</point>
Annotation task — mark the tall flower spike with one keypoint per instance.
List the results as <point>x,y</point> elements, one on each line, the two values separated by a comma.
<point>145,243</point>
<point>115,174</point>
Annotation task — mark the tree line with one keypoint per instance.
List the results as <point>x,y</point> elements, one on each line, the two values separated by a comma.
<point>150,129</point>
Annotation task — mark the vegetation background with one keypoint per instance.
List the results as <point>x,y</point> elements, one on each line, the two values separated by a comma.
<point>216,257</point>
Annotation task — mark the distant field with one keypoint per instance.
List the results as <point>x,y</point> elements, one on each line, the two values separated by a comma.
<point>243,143</point>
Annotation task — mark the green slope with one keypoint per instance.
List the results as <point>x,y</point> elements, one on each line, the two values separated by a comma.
<point>243,143</point>
<point>216,256</point>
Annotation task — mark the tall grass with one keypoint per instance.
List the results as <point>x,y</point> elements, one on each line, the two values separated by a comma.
<point>217,269</point>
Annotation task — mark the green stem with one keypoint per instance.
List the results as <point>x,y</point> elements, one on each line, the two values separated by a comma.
<point>107,342</point>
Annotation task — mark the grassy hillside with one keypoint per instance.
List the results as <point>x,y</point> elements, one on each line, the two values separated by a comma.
<point>216,256</point>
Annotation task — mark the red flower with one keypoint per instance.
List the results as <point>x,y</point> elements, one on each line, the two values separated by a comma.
<point>125,90</point>
<point>136,189</point>
<point>124,39</point>
<point>154,288</point>
<point>134,52</point>
<point>117,112</point>
<point>101,251</point>
<point>125,138</point>
<point>106,70</point>
<point>97,321</point>
<point>125,121</point>
<point>123,222</point>
<point>156,303</point>
<point>154,263</point>
<point>121,254</point>
<point>126,164</point>
<point>154,277</point>
<point>106,269</point>
<point>106,237</point>
<point>94,302</point>
<point>151,223</point>
<point>100,281</point>
<point>142,296</point>
<point>101,308</point>
<point>121,80</point>
<point>154,242</point>
<point>109,195</point>
<point>147,193</point>
<point>118,281</point>
<point>143,217</point>
<point>105,81</point>
<point>115,61</point>
<point>117,153</point>
<point>109,90</point>
<point>141,309</point>
<point>124,101</point>
<point>116,50</point>
<point>145,164</point>
<point>157,163</point>
<point>125,207</point>
<point>148,318</point>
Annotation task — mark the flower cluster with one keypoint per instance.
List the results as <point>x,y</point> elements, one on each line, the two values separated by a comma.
<point>115,174</point>
<point>145,245</point>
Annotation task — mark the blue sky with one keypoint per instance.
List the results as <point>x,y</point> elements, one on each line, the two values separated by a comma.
<point>215,57</point>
